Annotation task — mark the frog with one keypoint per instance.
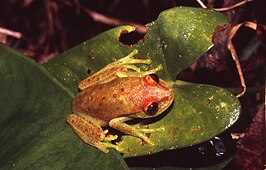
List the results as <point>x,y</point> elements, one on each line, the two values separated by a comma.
<point>116,94</point>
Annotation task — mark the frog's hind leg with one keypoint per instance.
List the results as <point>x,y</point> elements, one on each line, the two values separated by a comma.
<point>91,133</point>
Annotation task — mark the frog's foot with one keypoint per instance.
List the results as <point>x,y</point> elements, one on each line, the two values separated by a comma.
<point>108,73</point>
<point>118,123</point>
<point>141,132</point>
<point>110,146</point>
<point>91,133</point>
<point>145,130</point>
<point>109,137</point>
<point>128,63</point>
<point>105,146</point>
<point>138,73</point>
<point>129,59</point>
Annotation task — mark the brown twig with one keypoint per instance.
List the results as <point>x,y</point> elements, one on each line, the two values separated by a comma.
<point>8,32</point>
<point>231,47</point>
<point>113,21</point>
<point>232,33</point>
<point>225,8</point>
<point>233,6</point>
<point>202,4</point>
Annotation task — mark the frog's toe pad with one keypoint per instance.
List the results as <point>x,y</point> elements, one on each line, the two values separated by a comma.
<point>110,137</point>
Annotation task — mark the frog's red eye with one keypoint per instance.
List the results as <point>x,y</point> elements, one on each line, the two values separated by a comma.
<point>151,79</point>
<point>151,106</point>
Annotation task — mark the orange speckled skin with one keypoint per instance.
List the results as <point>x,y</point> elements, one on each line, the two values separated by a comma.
<point>121,97</point>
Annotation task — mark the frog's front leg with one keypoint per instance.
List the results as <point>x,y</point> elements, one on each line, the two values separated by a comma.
<point>91,133</point>
<point>119,124</point>
<point>108,73</point>
<point>137,73</point>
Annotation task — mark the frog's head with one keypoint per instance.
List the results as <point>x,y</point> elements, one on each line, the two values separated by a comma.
<point>159,97</point>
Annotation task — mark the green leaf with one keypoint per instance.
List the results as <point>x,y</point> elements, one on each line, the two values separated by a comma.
<point>35,100</point>
<point>179,37</point>
<point>176,39</point>
<point>199,112</point>
<point>34,133</point>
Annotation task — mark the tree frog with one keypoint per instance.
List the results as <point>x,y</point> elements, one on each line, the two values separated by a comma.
<point>117,93</point>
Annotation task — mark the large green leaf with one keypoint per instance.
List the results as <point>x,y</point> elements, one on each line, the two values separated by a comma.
<point>34,133</point>
<point>35,100</point>
<point>176,39</point>
<point>199,112</point>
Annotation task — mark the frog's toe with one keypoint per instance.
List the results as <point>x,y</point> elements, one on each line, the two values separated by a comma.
<point>101,147</point>
<point>105,131</point>
<point>152,130</point>
<point>119,149</point>
<point>145,138</point>
<point>110,145</point>
<point>110,138</point>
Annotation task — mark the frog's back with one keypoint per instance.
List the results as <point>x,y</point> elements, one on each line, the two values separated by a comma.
<point>119,97</point>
